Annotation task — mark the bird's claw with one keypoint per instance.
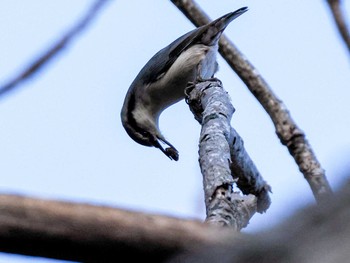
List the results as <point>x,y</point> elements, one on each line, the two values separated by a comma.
<point>200,79</point>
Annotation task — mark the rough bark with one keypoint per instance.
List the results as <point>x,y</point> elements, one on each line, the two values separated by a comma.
<point>223,161</point>
<point>248,178</point>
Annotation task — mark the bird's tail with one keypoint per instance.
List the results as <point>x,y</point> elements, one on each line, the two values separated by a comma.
<point>216,27</point>
<point>223,21</point>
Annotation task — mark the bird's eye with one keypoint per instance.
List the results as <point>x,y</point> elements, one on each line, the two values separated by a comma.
<point>144,133</point>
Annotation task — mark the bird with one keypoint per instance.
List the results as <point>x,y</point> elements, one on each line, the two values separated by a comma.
<point>163,80</point>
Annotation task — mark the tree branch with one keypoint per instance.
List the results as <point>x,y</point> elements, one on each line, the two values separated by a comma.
<point>340,20</point>
<point>249,179</point>
<point>212,108</point>
<point>86,233</point>
<point>37,64</point>
<point>287,130</point>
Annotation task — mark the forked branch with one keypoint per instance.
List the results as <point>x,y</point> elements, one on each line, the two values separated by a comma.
<point>223,160</point>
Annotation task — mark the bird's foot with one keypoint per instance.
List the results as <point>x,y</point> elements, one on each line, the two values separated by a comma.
<point>199,79</point>
<point>190,86</point>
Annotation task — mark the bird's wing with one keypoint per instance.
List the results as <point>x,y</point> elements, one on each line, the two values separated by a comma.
<point>165,58</point>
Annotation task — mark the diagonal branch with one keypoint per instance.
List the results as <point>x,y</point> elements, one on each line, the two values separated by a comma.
<point>340,21</point>
<point>37,64</point>
<point>287,130</point>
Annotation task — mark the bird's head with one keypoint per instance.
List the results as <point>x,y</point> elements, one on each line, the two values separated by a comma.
<point>144,130</point>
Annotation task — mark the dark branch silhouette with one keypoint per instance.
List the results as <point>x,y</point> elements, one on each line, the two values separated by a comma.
<point>47,56</point>
<point>86,233</point>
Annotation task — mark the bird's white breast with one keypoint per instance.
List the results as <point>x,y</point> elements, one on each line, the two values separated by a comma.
<point>169,89</point>
<point>186,64</point>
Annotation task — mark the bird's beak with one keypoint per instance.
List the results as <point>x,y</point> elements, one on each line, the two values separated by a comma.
<point>170,151</point>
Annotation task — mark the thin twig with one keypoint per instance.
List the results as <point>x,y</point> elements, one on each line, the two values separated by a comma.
<point>340,20</point>
<point>287,130</point>
<point>46,56</point>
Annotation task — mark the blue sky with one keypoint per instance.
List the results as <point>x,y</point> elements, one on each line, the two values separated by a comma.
<point>61,136</point>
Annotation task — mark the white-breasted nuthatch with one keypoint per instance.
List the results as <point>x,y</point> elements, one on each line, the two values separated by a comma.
<point>162,81</point>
